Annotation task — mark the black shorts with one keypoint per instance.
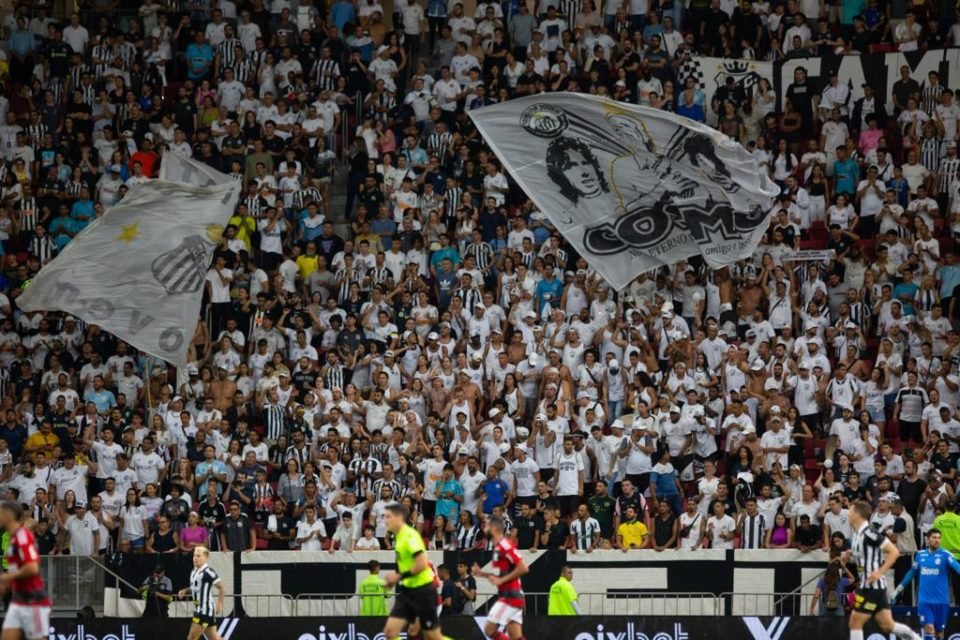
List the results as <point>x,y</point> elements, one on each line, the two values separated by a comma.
<point>569,504</point>
<point>910,430</point>
<point>870,601</point>
<point>417,604</point>
<point>204,620</point>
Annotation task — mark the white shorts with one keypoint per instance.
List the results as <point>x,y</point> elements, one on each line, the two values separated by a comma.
<point>503,614</point>
<point>33,620</point>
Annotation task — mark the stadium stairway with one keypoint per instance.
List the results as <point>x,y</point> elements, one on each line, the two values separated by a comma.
<point>338,201</point>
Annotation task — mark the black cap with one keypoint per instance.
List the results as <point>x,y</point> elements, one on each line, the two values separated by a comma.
<point>159,569</point>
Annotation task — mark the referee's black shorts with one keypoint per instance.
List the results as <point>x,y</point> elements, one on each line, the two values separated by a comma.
<point>417,604</point>
<point>870,601</point>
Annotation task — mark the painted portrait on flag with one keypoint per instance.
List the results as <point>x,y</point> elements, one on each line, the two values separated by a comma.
<point>645,186</point>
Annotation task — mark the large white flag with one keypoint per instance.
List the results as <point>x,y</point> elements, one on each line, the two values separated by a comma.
<point>174,168</point>
<point>632,188</point>
<point>139,270</point>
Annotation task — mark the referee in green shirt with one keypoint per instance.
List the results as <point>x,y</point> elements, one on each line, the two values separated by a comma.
<point>417,595</point>
<point>563,597</point>
<point>373,595</point>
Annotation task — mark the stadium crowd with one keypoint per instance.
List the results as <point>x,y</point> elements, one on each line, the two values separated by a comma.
<point>433,339</point>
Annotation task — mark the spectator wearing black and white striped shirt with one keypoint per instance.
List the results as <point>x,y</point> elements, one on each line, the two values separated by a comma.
<point>325,71</point>
<point>42,246</point>
<point>481,251</point>
<point>364,470</point>
<point>274,416</point>
<point>584,531</point>
<point>752,526</point>
<point>467,533</point>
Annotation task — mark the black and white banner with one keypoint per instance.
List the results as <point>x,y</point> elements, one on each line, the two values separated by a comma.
<point>632,188</point>
<point>466,628</point>
<point>879,70</point>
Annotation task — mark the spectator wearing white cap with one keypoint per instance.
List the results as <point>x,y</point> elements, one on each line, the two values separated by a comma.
<point>775,443</point>
<point>845,429</point>
<point>704,431</point>
<point>677,435</point>
<point>735,425</point>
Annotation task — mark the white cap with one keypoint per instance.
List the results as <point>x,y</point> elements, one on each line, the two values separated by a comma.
<point>775,409</point>
<point>523,433</point>
<point>193,371</point>
<point>433,335</point>
<point>613,364</point>
<point>494,412</point>
<point>532,359</point>
<point>617,424</point>
<point>530,314</point>
<point>541,417</point>
<point>757,365</point>
<point>389,354</point>
<point>674,409</point>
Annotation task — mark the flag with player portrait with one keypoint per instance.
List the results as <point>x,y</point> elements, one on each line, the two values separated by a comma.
<point>632,188</point>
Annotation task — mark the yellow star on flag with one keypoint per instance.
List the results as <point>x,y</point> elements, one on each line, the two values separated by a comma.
<point>130,233</point>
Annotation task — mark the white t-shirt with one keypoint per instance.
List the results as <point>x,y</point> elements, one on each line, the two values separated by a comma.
<point>74,479</point>
<point>722,525</point>
<point>271,241</point>
<point>525,475</point>
<point>219,292</point>
<point>106,459</point>
<point>568,473</point>
<point>133,518</point>
<point>776,440</point>
<point>81,534</point>
<point>304,529</point>
<point>147,467</point>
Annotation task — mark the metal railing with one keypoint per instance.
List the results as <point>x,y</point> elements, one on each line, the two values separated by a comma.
<point>610,603</point>
<point>631,603</point>
<point>791,604</point>
<point>73,582</point>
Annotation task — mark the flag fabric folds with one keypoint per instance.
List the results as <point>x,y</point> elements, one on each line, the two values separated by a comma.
<point>139,270</point>
<point>632,188</point>
<point>176,168</point>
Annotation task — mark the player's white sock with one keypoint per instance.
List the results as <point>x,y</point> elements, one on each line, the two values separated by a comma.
<point>904,632</point>
<point>856,634</point>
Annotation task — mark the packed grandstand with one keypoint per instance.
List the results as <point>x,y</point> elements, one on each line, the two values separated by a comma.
<point>389,318</point>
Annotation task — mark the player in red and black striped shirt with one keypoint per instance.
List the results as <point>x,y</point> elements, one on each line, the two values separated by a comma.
<point>28,615</point>
<point>509,566</point>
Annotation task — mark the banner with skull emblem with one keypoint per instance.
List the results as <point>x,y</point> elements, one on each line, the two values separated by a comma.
<point>632,188</point>
<point>139,270</point>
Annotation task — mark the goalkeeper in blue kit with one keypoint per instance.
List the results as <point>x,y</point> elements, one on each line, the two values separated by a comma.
<point>933,599</point>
